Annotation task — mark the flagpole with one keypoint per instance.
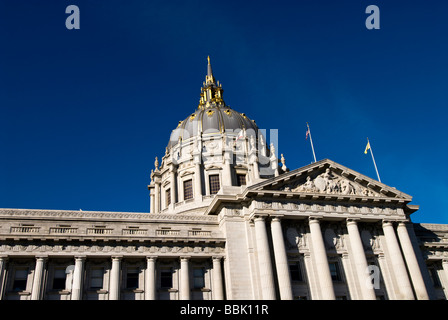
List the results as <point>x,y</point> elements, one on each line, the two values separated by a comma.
<point>374,163</point>
<point>311,140</point>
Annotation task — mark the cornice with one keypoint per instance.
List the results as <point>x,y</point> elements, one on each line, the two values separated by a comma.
<point>92,215</point>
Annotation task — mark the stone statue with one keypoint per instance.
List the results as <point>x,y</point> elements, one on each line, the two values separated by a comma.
<point>282,160</point>
<point>346,187</point>
<point>252,142</point>
<point>156,163</point>
<point>272,149</point>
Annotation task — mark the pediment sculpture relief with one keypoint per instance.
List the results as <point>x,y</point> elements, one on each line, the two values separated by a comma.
<point>330,183</point>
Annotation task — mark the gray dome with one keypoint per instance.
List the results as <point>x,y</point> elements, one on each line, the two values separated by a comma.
<point>212,116</point>
<point>212,120</point>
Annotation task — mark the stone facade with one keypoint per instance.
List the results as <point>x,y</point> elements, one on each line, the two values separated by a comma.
<point>228,220</point>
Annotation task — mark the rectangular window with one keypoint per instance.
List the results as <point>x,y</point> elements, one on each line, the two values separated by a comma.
<point>132,278</point>
<point>20,278</point>
<point>188,190</point>
<point>166,279</point>
<point>59,279</point>
<point>241,179</point>
<point>96,278</point>
<point>334,271</point>
<point>198,278</point>
<point>214,183</point>
<point>296,273</point>
<point>168,197</point>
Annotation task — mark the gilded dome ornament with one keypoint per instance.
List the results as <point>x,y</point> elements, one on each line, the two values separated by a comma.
<point>212,116</point>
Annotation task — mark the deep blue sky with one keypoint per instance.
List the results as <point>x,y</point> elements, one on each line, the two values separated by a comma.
<point>84,112</point>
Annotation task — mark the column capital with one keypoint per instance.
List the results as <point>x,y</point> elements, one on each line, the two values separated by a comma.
<point>277,217</point>
<point>307,254</point>
<point>314,219</point>
<point>403,223</point>
<point>345,255</point>
<point>80,258</point>
<point>42,257</point>
<point>387,222</point>
<point>151,258</point>
<point>117,257</point>
<point>217,258</point>
<point>352,220</point>
<point>259,217</point>
<point>185,258</point>
<point>4,257</point>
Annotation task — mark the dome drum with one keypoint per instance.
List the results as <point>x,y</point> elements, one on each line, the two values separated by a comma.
<point>213,150</point>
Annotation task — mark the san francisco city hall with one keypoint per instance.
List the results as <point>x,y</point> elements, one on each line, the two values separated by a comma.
<point>228,220</point>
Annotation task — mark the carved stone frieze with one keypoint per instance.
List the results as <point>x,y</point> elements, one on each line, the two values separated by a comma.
<point>330,208</point>
<point>97,249</point>
<point>330,183</point>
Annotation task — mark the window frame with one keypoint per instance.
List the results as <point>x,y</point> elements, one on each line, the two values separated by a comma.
<point>338,276</point>
<point>214,184</point>
<point>135,272</point>
<point>185,182</point>
<point>59,280</point>
<point>93,277</point>
<point>241,175</point>
<point>23,281</point>
<point>198,279</point>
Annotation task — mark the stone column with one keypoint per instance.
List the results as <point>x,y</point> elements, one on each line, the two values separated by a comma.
<point>359,257</point>
<point>3,261</point>
<point>217,292</point>
<point>411,262</point>
<point>398,266</point>
<point>114,287</point>
<point>264,260</point>
<point>36,292</point>
<point>281,260</point>
<point>78,278</point>
<point>150,278</point>
<point>184,292</point>
<point>320,258</point>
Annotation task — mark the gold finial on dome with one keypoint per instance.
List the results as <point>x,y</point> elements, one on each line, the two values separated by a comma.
<point>211,93</point>
<point>209,79</point>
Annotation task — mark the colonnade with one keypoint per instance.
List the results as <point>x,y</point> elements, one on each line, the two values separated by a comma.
<point>150,284</point>
<point>408,283</point>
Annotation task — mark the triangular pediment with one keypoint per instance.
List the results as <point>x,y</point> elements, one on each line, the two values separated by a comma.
<point>329,178</point>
